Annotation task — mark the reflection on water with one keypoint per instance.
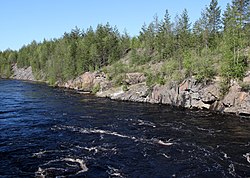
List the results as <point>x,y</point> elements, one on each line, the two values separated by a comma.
<point>49,132</point>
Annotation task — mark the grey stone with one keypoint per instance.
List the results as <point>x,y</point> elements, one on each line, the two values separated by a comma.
<point>134,78</point>
<point>22,73</point>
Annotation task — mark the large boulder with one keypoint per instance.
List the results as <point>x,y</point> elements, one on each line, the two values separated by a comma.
<point>217,106</point>
<point>209,94</point>
<point>192,94</point>
<point>244,108</point>
<point>87,81</point>
<point>112,92</point>
<point>74,84</point>
<point>230,99</point>
<point>188,94</point>
<point>164,94</point>
<point>138,93</point>
<point>189,84</point>
<point>105,85</point>
<point>237,101</point>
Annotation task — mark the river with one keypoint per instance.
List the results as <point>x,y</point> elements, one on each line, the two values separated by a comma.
<point>52,132</point>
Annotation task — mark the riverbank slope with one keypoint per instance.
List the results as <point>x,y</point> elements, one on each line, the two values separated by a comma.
<point>188,94</point>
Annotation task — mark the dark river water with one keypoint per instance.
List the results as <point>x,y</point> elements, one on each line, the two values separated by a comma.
<point>50,132</point>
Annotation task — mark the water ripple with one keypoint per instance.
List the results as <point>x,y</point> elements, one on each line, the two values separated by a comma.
<point>51,132</point>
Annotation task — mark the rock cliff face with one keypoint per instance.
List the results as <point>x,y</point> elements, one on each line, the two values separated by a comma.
<point>188,94</point>
<point>22,73</point>
<point>87,81</point>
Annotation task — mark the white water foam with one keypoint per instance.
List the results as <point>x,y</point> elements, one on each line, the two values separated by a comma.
<point>225,155</point>
<point>231,170</point>
<point>247,156</point>
<point>86,117</point>
<point>106,132</point>
<point>39,154</point>
<point>166,156</point>
<point>41,173</point>
<point>113,172</point>
<point>42,153</point>
<point>165,143</point>
<point>146,123</point>
<point>81,163</point>
<point>97,149</point>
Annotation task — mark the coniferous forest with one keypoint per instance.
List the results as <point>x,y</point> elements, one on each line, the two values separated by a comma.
<point>217,44</point>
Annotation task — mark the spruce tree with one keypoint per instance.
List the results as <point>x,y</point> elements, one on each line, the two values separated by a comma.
<point>165,37</point>
<point>232,45</point>
<point>213,13</point>
<point>214,17</point>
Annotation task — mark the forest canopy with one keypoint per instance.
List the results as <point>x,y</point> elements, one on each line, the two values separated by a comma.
<point>216,44</point>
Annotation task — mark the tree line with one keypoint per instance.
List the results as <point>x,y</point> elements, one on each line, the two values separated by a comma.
<point>216,44</point>
<point>69,56</point>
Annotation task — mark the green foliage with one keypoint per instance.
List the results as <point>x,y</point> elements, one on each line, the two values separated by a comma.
<point>150,79</point>
<point>183,31</point>
<point>203,50</point>
<point>72,54</point>
<point>170,71</point>
<point>153,79</point>
<point>165,38</point>
<point>160,80</point>
<point>224,87</point>
<point>5,70</point>
<point>169,67</point>
<point>125,87</point>
<point>96,88</point>
<point>234,62</point>
<point>213,16</point>
<point>116,72</point>
<point>199,66</point>
<point>118,68</point>
<point>6,59</point>
<point>233,67</point>
<point>134,57</point>
<point>118,79</point>
<point>189,63</point>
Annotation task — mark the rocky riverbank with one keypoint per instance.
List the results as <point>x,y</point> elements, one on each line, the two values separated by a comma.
<point>188,94</point>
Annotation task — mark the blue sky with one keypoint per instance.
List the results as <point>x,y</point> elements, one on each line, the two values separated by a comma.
<point>25,20</point>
